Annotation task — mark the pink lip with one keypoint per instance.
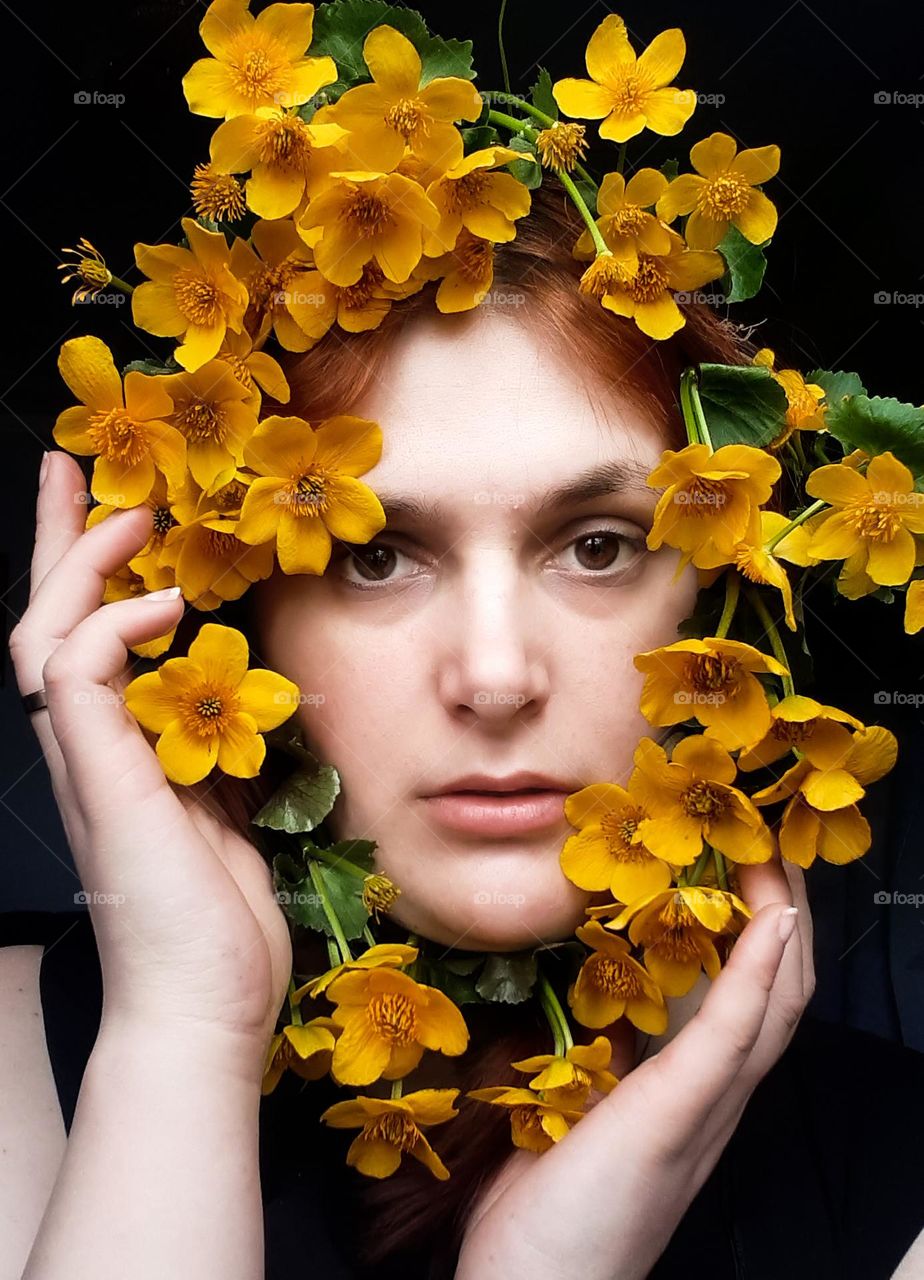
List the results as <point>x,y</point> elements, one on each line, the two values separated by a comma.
<point>497,813</point>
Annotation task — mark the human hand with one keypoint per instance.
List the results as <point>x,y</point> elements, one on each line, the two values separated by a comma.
<point>188,929</point>
<point>603,1202</point>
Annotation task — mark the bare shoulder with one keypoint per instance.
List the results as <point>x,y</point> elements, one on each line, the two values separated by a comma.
<point>32,1133</point>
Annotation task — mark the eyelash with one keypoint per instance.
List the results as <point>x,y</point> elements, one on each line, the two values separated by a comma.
<point>353,551</point>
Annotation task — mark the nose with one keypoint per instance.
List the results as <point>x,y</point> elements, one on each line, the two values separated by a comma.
<point>494,665</point>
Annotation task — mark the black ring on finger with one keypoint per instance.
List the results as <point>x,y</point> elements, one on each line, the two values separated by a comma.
<point>34,701</point>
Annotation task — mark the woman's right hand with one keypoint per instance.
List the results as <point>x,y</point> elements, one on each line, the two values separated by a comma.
<point>189,932</point>
<point>603,1203</point>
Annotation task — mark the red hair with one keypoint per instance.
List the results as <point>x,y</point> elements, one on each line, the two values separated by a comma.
<point>411,1212</point>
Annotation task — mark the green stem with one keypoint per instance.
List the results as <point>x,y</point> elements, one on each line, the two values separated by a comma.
<point>321,890</point>
<point>555,1015</point>
<point>520,126</point>
<point>621,158</point>
<point>120,284</point>
<point>500,45</point>
<point>794,524</point>
<point>770,627</point>
<point>720,869</point>
<point>397,1088</point>
<point>700,865</point>
<point>692,409</point>
<point>295,1013</point>
<point>732,591</point>
<point>368,937</point>
<point>334,860</point>
<point>333,952</point>
<point>589,221</point>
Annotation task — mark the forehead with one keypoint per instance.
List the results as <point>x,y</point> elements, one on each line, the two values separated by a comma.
<point>483,399</point>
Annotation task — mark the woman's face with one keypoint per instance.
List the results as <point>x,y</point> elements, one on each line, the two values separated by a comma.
<point>491,633</point>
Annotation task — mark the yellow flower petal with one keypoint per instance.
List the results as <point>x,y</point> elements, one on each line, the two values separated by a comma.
<point>86,365</point>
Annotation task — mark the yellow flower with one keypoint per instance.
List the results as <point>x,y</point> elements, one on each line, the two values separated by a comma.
<point>691,799</point>
<point>379,894</point>
<point>256,62</point>
<point>278,149</point>
<point>821,818</point>
<point>305,1050</point>
<point>607,853</point>
<point>536,1124</point>
<point>388,1021</point>
<point>723,192</point>
<point>126,584</point>
<point>712,681</point>
<point>146,565</point>
<point>874,519</point>
<point>274,266</point>
<point>256,371</point>
<point>757,564</point>
<point>366,216</point>
<point>647,295</point>
<point>624,223</point>
<point>125,429</point>
<point>465,273</point>
<point>468,195</point>
<point>89,267</point>
<point>631,93</point>
<point>218,196</point>
<point>207,708</point>
<point>316,304</point>
<point>561,146</point>
<point>798,723</point>
<point>307,489</point>
<point>192,293</point>
<point>209,561</point>
<point>391,1127</point>
<point>711,500</point>
<point>914,607</point>
<point>677,929</point>
<point>806,412</point>
<point>390,955</point>
<point>209,409</point>
<point>394,111</point>
<point>570,1079</point>
<point>611,985</point>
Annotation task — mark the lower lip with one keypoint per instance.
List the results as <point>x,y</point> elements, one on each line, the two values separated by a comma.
<point>493,813</point>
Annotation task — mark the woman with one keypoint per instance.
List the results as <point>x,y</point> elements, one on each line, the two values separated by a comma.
<point>490,633</point>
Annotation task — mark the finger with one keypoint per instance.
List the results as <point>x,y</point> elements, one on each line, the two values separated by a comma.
<point>60,517</point>
<point>796,877</point>
<point>701,1067</point>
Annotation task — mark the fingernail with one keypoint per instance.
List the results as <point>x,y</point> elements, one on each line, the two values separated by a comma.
<point>787,922</point>
<point>44,467</point>
<point>166,593</point>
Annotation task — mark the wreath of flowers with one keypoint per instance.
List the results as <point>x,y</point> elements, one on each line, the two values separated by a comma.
<point>356,164</point>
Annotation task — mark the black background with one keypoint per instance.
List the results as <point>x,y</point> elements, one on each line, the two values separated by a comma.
<point>821,81</point>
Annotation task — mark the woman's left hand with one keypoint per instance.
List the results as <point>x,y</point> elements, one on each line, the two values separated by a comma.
<point>603,1203</point>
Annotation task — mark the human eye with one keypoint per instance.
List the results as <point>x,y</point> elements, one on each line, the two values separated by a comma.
<point>366,566</point>
<point>610,554</point>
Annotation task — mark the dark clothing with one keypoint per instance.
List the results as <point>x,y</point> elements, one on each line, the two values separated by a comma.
<point>820,1181</point>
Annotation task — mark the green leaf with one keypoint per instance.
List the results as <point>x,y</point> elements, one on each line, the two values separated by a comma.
<point>341,27</point>
<point>743,404</point>
<point>303,800</point>
<point>300,900</point>
<point>358,852</point>
<point>508,978</point>
<point>454,976</point>
<point>880,424</point>
<point>153,368</point>
<point>745,263</point>
<point>670,168</point>
<point>480,136</point>
<point>837,385</point>
<point>540,94</point>
<point>527,171</point>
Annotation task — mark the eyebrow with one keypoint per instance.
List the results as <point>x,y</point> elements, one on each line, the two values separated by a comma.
<point>608,478</point>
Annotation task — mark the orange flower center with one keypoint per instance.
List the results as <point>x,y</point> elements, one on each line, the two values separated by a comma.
<point>466,192</point>
<point>650,281</point>
<point>527,1118</point>
<point>618,832</point>
<point>626,221</point>
<point>284,141</point>
<point>875,521</point>
<point>257,74</point>
<point>356,296</point>
<point>704,800</point>
<point>230,496</point>
<point>561,145</point>
<point>117,437</point>
<point>268,287</point>
<point>475,259</point>
<point>307,494</point>
<point>792,731</point>
<point>217,544</point>
<point>239,368</point>
<point>603,276</point>
<point>163,520</point>
<point>394,1017</point>
<point>197,296</point>
<point>406,117</point>
<point>725,196</point>
<point>613,977</point>
<point>702,497</point>
<point>201,420</point>
<point>629,95</point>
<point>207,711</point>
<point>712,673</point>
<point>394,1127</point>
<point>366,212</point>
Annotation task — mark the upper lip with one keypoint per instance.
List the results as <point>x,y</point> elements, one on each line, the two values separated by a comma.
<point>524,780</point>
